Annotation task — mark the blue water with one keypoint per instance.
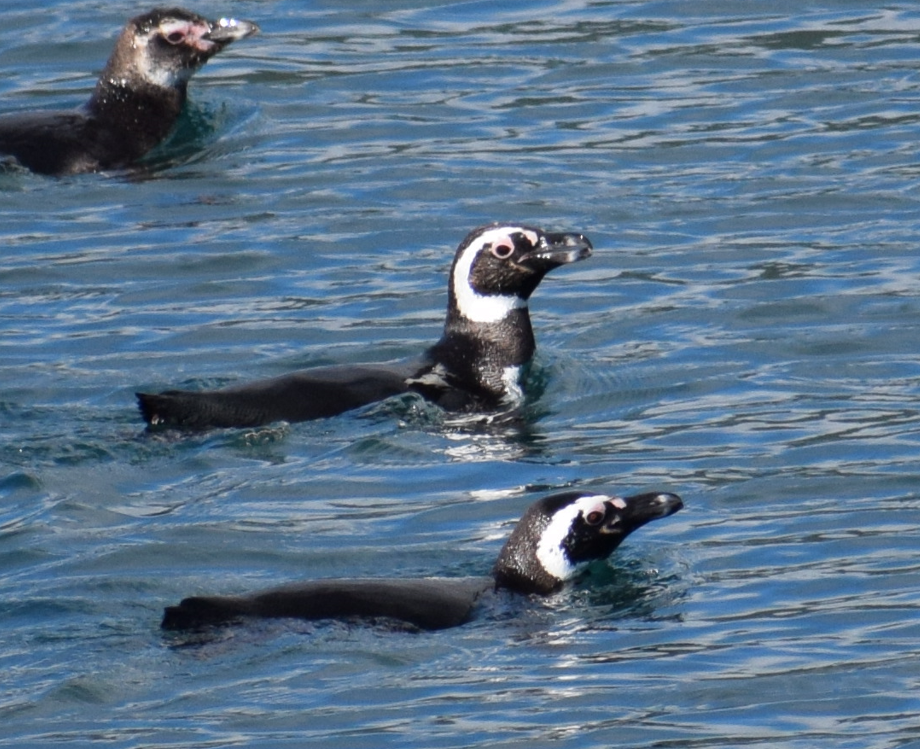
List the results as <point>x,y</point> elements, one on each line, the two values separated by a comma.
<point>745,335</point>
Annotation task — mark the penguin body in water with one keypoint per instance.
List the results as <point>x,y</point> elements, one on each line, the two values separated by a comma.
<point>477,365</point>
<point>555,539</point>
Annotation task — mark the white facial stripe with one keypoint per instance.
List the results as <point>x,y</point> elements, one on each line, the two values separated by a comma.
<point>478,307</point>
<point>550,553</point>
<point>158,75</point>
<point>163,75</point>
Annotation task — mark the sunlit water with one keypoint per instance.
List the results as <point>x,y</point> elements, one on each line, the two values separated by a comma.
<point>745,335</point>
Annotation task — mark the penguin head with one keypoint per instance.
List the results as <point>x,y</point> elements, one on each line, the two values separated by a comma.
<point>497,268</point>
<point>166,46</point>
<point>561,534</point>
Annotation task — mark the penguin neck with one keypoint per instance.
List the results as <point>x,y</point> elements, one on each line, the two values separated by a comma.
<point>135,114</point>
<point>487,356</point>
<point>537,581</point>
<point>518,567</point>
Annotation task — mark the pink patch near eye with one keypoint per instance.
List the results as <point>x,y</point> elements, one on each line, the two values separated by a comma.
<point>596,515</point>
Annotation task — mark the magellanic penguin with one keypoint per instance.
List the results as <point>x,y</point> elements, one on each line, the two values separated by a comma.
<point>477,365</point>
<point>135,104</point>
<point>557,537</point>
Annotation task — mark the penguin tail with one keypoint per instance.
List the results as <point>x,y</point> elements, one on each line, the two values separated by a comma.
<point>157,410</point>
<point>186,410</point>
<point>199,611</point>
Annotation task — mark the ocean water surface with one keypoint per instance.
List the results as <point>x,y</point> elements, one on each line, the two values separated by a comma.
<point>745,335</point>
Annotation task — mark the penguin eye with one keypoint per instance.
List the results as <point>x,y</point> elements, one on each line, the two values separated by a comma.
<point>175,37</point>
<point>503,249</point>
<point>596,515</point>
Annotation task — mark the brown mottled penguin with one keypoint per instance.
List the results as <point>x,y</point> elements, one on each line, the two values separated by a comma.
<point>137,99</point>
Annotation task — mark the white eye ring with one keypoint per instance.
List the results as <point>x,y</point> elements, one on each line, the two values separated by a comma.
<point>176,37</point>
<point>502,249</point>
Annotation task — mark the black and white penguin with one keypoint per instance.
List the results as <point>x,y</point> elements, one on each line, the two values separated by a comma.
<point>478,364</point>
<point>136,102</point>
<point>556,539</point>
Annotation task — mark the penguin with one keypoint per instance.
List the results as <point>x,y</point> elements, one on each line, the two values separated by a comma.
<point>479,364</point>
<point>554,541</point>
<point>135,103</point>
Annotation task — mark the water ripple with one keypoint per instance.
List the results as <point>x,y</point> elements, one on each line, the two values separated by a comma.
<point>743,335</point>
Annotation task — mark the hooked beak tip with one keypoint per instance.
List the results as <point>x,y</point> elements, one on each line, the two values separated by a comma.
<point>669,503</point>
<point>564,248</point>
<point>228,30</point>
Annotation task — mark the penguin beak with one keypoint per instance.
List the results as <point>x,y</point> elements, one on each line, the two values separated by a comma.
<point>630,513</point>
<point>554,250</point>
<point>228,30</point>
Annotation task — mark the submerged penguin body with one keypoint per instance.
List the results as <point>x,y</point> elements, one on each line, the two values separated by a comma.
<point>426,603</point>
<point>299,396</point>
